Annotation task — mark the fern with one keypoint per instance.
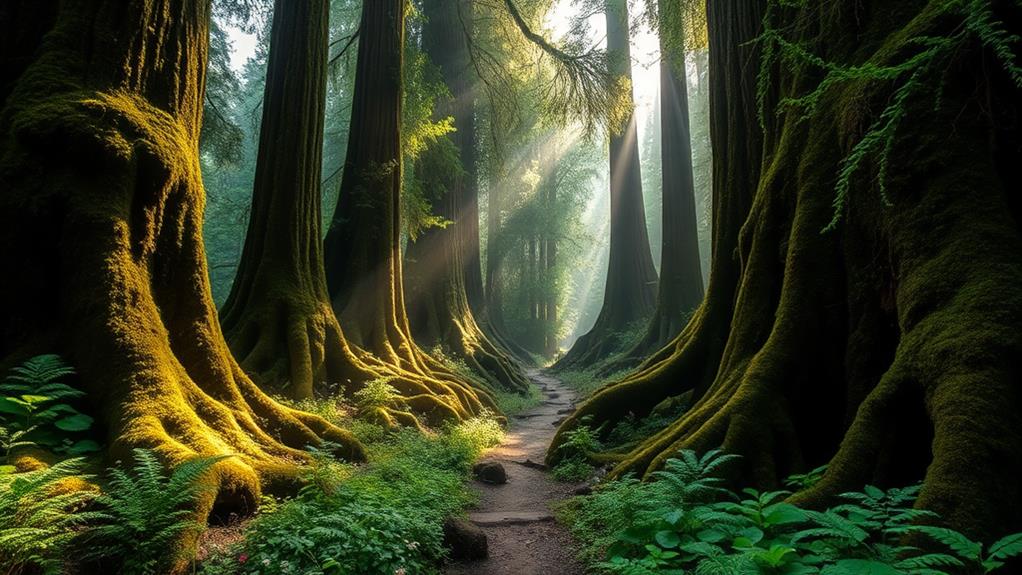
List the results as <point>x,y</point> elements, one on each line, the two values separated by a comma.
<point>915,77</point>
<point>40,370</point>
<point>38,521</point>
<point>148,512</point>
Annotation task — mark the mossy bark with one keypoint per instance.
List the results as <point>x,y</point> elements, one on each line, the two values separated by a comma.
<point>436,282</point>
<point>889,347</point>
<point>101,216</point>
<point>630,293</point>
<point>363,244</point>
<point>680,288</point>
<point>277,318</point>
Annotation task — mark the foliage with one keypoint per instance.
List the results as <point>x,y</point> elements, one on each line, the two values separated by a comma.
<point>572,470</point>
<point>800,481</point>
<point>147,513</point>
<point>920,74</point>
<point>579,444</point>
<point>511,403</point>
<point>40,517</point>
<point>381,519</point>
<point>687,522</point>
<point>376,393</point>
<point>477,433</point>
<point>37,409</point>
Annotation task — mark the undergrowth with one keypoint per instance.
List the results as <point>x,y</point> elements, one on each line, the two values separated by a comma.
<point>379,519</point>
<point>687,521</point>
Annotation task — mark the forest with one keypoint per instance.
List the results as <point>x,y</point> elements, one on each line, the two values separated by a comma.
<point>511,287</point>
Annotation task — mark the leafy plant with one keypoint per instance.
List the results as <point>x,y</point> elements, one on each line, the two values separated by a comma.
<point>40,518</point>
<point>798,482</point>
<point>376,393</point>
<point>36,409</point>
<point>380,519</point>
<point>579,444</point>
<point>687,522</point>
<point>147,513</point>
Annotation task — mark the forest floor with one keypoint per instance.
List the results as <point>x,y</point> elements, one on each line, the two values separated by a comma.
<point>517,517</point>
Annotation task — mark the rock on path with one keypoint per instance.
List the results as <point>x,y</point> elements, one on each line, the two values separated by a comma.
<point>517,516</point>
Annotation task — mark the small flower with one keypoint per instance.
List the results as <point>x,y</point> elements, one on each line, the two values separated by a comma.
<point>399,571</point>
<point>266,561</point>
<point>413,545</point>
<point>242,558</point>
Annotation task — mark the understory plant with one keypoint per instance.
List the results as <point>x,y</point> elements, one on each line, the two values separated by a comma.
<point>686,521</point>
<point>37,409</point>
<point>147,513</point>
<point>40,517</point>
<point>379,519</point>
<point>579,444</point>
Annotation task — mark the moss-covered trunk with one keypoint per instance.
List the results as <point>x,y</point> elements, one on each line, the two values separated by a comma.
<point>888,346</point>
<point>630,293</point>
<point>680,289</point>
<point>363,245</point>
<point>436,284</point>
<point>100,222</point>
<point>278,319</point>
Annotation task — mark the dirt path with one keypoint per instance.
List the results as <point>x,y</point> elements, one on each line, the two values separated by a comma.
<point>516,517</point>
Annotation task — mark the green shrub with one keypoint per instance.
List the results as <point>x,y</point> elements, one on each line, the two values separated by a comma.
<point>37,409</point>
<point>376,393</point>
<point>379,519</point>
<point>146,514</point>
<point>687,522</point>
<point>39,518</point>
<point>514,403</point>
<point>579,444</point>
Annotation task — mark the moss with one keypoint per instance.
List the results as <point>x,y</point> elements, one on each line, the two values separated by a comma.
<point>887,346</point>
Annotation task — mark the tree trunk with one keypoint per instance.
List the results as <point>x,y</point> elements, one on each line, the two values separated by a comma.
<point>278,318</point>
<point>438,268</point>
<point>101,216</point>
<point>363,245</point>
<point>630,293</point>
<point>890,345</point>
<point>681,280</point>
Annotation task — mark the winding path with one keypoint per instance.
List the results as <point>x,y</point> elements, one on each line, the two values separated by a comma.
<point>516,517</point>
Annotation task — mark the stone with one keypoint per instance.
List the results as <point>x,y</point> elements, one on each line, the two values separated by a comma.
<point>490,472</point>
<point>466,541</point>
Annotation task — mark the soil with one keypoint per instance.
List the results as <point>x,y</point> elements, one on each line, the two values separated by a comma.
<point>517,517</point>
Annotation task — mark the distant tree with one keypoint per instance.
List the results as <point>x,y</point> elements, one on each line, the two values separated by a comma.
<point>630,292</point>
<point>278,318</point>
<point>365,275</point>
<point>438,272</point>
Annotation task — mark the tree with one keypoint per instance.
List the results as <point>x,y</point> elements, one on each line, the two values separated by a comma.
<point>363,244</point>
<point>277,318</point>
<point>102,217</point>
<point>438,267</point>
<point>680,289</point>
<point>630,292</point>
<point>888,344</point>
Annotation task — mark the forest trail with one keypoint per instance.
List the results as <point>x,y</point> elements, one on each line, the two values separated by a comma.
<point>517,516</point>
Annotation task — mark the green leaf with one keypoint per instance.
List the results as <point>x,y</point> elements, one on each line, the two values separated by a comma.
<point>7,469</point>
<point>957,542</point>
<point>667,539</point>
<point>34,399</point>
<point>12,406</point>
<point>860,567</point>
<point>782,513</point>
<point>77,422</point>
<point>1006,547</point>
<point>83,446</point>
<point>711,535</point>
